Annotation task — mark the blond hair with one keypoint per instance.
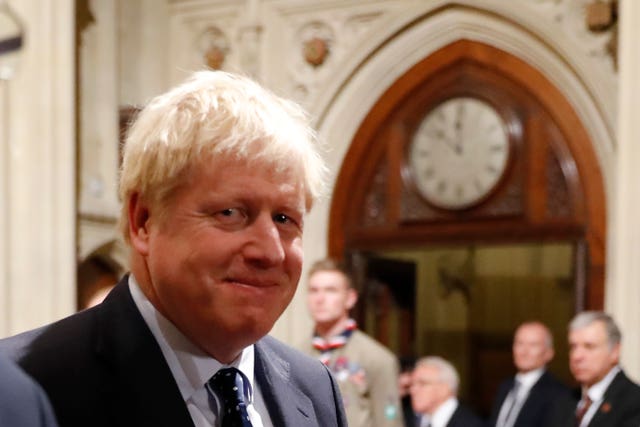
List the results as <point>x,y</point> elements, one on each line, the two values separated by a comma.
<point>216,114</point>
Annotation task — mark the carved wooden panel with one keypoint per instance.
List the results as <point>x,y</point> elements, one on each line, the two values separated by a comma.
<point>552,165</point>
<point>557,190</point>
<point>374,210</point>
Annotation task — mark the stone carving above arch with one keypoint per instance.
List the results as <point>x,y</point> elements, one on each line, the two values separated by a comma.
<point>570,18</point>
<point>316,39</point>
<point>321,40</point>
<point>213,45</point>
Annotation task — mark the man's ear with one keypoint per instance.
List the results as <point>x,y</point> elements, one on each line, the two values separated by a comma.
<point>352,298</point>
<point>550,354</point>
<point>138,213</point>
<point>614,355</point>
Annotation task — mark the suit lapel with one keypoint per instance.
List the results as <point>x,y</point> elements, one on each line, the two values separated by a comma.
<point>606,408</point>
<point>287,405</point>
<point>533,399</point>
<point>138,381</point>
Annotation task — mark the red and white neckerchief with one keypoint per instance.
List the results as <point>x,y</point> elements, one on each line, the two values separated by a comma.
<point>326,346</point>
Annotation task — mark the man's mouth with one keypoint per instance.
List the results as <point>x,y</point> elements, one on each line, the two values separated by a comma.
<point>251,282</point>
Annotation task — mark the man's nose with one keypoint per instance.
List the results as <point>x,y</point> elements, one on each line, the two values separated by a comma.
<point>265,244</point>
<point>576,354</point>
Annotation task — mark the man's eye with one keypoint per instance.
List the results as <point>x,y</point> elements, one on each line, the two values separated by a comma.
<point>281,218</point>
<point>289,221</point>
<point>230,215</point>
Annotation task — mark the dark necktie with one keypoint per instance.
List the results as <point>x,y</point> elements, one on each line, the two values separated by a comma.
<point>229,385</point>
<point>586,403</point>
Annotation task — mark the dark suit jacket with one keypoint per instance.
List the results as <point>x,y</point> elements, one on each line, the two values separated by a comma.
<point>464,417</point>
<point>22,401</point>
<point>103,367</point>
<point>539,406</point>
<point>407,411</point>
<point>461,417</point>
<point>620,406</point>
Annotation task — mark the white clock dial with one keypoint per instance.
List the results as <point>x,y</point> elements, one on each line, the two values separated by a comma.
<point>459,153</point>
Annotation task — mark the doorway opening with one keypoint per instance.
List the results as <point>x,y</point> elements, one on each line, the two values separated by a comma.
<point>464,302</point>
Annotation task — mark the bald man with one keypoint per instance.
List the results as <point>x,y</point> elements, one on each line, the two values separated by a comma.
<point>528,398</point>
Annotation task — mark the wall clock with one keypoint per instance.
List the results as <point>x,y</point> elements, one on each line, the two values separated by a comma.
<point>458,153</point>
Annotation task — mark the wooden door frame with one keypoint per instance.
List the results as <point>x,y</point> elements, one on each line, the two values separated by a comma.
<point>360,156</point>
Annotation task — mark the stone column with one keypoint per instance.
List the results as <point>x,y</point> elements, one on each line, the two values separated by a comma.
<point>37,176</point>
<point>623,290</point>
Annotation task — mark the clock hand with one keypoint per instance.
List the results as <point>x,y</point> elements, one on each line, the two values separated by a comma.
<point>458,124</point>
<point>441,135</point>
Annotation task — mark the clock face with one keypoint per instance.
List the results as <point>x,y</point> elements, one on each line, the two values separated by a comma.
<point>459,153</point>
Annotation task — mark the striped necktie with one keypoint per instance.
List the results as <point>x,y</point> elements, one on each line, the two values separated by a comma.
<point>582,409</point>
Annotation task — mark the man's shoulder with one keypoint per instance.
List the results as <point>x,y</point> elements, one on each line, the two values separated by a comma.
<point>270,346</point>
<point>277,358</point>
<point>48,340</point>
<point>624,388</point>
<point>22,400</point>
<point>549,383</point>
<point>14,380</point>
<point>370,348</point>
<point>465,417</point>
<point>68,341</point>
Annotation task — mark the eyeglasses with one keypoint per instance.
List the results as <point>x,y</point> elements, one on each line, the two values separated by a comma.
<point>424,382</point>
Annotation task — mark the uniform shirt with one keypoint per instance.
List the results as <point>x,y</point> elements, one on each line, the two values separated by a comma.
<point>367,375</point>
<point>192,368</point>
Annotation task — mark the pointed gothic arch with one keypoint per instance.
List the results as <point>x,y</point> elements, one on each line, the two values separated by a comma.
<point>554,191</point>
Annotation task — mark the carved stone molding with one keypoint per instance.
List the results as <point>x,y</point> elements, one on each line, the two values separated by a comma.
<point>249,49</point>
<point>572,17</point>
<point>321,41</point>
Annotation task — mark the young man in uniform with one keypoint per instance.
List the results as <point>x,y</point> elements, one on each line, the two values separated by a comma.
<point>366,371</point>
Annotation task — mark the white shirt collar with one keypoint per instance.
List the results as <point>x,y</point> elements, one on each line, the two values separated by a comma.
<point>596,391</point>
<point>528,379</point>
<point>596,394</point>
<point>443,414</point>
<point>191,367</point>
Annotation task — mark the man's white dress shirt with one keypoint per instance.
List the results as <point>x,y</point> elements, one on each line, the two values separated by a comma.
<point>442,415</point>
<point>192,368</point>
<point>526,380</point>
<point>596,394</point>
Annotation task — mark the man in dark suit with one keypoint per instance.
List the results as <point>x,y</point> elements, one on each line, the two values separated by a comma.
<point>22,401</point>
<point>608,397</point>
<point>434,391</point>
<point>528,398</point>
<point>217,177</point>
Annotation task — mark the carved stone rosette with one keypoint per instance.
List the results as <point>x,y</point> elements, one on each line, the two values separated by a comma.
<point>214,47</point>
<point>316,39</point>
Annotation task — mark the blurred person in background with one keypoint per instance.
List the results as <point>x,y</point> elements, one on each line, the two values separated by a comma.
<point>367,372</point>
<point>434,391</point>
<point>528,398</point>
<point>607,397</point>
